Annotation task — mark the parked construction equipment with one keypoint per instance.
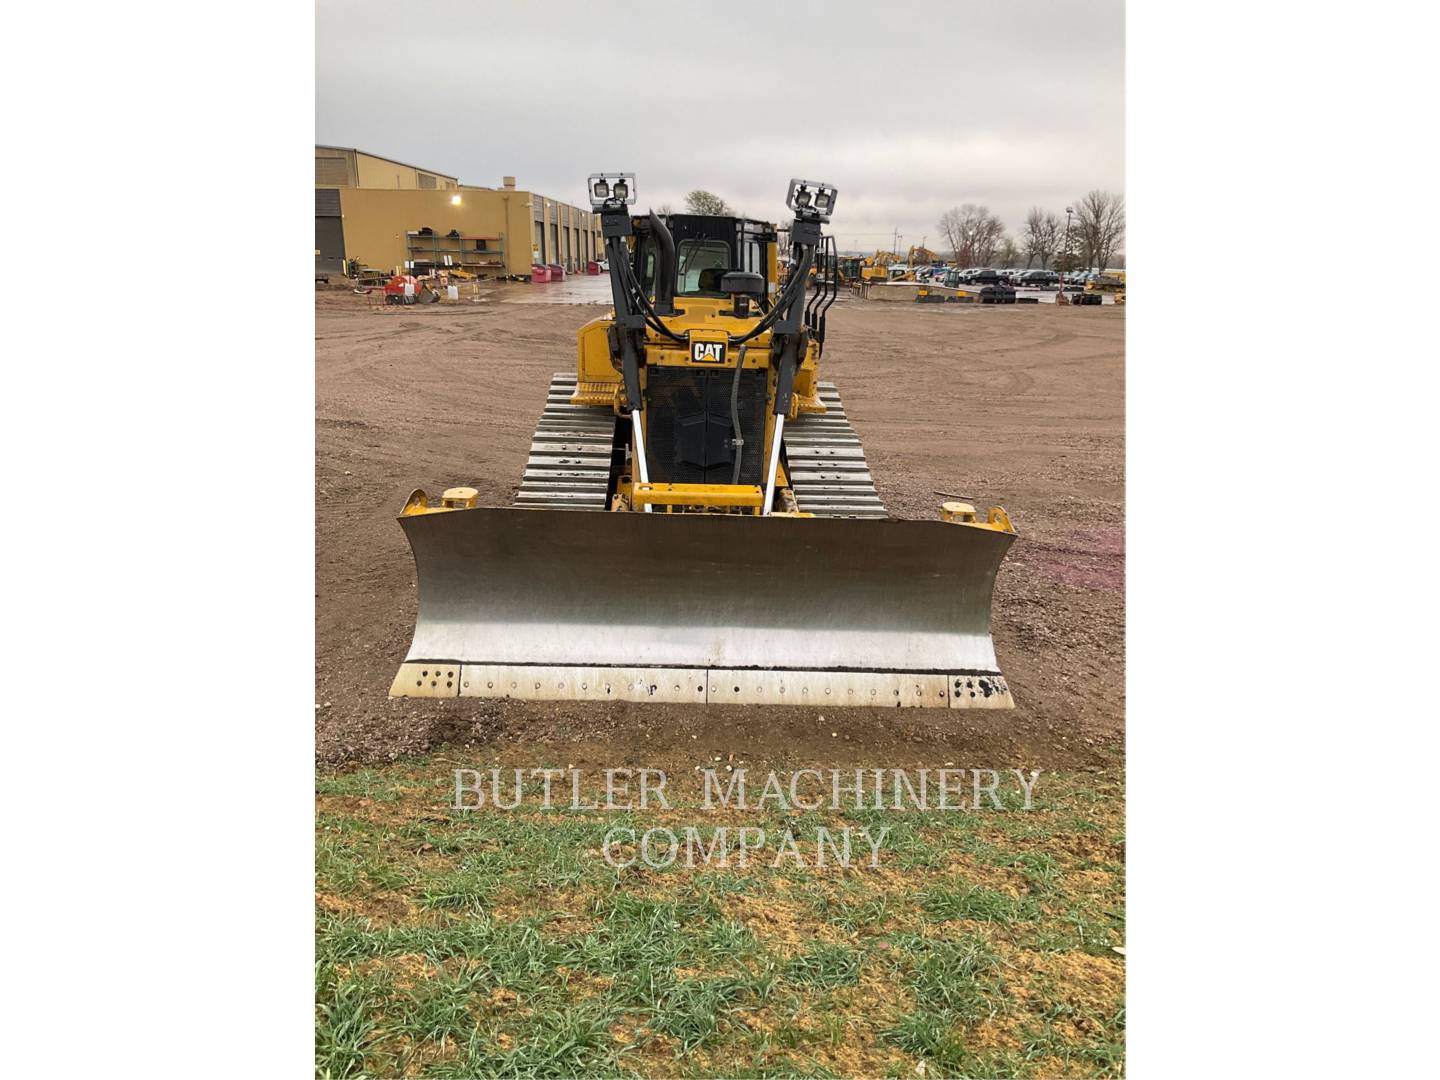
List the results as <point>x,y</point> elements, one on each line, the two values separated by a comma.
<point>1111,281</point>
<point>697,521</point>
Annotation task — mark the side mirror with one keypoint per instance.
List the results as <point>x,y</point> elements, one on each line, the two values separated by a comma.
<point>741,286</point>
<point>743,283</point>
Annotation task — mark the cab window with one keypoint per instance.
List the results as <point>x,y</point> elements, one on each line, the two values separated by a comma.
<point>700,264</point>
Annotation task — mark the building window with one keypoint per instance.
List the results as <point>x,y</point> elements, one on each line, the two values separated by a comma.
<point>427,182</point>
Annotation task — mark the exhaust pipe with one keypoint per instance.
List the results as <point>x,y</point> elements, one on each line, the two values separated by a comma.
<point>664,266</point>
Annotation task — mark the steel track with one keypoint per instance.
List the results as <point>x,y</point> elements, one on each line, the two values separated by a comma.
<point>826,463</point>
<point>569,463</point>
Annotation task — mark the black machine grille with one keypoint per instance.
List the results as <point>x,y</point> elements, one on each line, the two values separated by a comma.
<point>688,429</point>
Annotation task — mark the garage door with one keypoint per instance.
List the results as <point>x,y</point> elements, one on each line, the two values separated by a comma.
<point>329,232</point>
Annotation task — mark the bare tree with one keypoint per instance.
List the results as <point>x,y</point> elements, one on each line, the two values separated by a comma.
<point>950,229</point>
<point>1099,226</point>
<point>1008,254</point>
<point>1042,236</point>
<point>707,202</point>
<point>972,232</point>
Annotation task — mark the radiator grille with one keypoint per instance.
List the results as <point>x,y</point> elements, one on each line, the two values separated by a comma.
<point>688,428</point>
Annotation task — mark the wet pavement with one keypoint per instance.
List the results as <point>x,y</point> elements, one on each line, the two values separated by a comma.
<point>575,289</point>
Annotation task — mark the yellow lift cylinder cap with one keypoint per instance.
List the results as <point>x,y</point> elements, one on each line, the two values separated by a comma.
<point>460,498</point>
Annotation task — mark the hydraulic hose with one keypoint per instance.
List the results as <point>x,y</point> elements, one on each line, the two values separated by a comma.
<point>652,317</point>
<point>738,439</point>
<point>793,288</point>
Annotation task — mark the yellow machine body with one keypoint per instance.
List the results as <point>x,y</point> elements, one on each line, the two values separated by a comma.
<point>700,319</point>
<point>619,577</point>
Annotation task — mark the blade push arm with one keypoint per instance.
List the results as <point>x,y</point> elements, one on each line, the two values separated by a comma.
<point>812,202</point>
<point>611,194</point>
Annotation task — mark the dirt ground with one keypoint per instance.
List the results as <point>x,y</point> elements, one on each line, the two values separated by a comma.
<point>1018,406</point>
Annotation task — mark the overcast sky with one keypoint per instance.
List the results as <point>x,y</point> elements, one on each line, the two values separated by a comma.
<point>908,108</point>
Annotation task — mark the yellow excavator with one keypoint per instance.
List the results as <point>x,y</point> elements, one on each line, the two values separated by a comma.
<point>697,521</point>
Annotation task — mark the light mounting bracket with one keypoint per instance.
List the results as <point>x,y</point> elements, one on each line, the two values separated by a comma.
<point>812,199</point>
<point>611,190</point>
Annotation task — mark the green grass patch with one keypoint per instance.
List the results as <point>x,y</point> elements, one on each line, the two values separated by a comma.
<point>963,901</point>
<point>485,943</point>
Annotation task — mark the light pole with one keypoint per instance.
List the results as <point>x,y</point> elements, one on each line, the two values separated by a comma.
<point>1068,211</point>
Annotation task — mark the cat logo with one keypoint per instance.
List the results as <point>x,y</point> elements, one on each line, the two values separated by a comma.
<point>707,352</point>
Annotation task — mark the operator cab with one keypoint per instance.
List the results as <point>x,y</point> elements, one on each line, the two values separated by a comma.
<point>715,257</point>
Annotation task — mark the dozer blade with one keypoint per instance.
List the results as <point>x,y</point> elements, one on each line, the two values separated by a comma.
<point>570,605</point>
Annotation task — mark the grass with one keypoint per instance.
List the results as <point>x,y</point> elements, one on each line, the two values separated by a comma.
<point>468,944</point>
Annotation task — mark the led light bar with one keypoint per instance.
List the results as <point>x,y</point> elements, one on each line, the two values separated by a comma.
<point>611,188</point>
<point>812,197</point>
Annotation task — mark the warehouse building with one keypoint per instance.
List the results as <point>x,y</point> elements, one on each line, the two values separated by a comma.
<point>396,217</point>
<point>343,166</point>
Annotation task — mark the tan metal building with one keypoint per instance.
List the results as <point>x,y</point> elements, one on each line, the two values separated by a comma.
<point>344,166</point>
<point>386,221</point>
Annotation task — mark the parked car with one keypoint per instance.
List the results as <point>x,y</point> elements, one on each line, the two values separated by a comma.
<point>1038,279</point>
<point>983,277</point>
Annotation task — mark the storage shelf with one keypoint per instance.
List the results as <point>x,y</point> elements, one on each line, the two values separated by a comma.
<point>434,248</point>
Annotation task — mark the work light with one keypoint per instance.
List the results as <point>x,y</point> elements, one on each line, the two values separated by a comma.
<point>611,188</point>
<point>811,197</point>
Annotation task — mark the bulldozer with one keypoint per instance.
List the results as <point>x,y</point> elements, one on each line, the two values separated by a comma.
<point>873,268</point>
<point>697,522</point>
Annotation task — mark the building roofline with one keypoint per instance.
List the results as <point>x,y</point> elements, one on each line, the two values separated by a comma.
<point>392,161</point>
<point>531,192</point>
